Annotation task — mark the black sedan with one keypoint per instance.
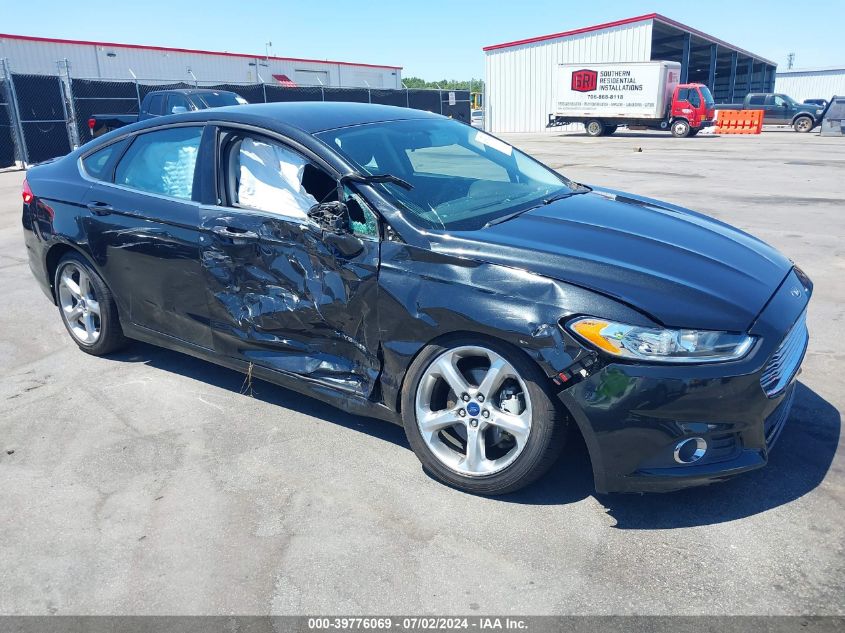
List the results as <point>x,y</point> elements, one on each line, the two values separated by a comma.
<point>407,267</point>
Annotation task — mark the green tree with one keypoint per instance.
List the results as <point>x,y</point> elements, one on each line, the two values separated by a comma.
<point>474,85</point>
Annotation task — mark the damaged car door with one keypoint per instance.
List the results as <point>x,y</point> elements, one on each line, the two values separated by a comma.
<point>292,281</point>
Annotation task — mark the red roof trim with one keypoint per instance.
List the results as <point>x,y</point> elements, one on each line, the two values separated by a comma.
<point>639,18</point>
<point>31,38</point>
<point>587,29</point>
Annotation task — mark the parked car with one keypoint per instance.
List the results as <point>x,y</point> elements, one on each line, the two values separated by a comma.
<point>780,109</point>
<point>820,103</point>
<point>477,118</point>
<point>404,266</point>
<point>161,102</point>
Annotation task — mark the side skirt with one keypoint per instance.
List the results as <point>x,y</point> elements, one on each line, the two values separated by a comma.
<point>330,394</point>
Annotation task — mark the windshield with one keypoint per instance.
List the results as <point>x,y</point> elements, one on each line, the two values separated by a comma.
<point>460,178</point>
<point>708,96</point>
<point>221,99</point>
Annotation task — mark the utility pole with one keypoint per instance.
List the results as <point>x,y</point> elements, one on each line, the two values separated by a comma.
<point>790,60</point>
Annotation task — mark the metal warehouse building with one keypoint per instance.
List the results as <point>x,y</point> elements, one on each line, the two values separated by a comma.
<point>811,83</point>
<point>105,60</point>
<point>520,92</point>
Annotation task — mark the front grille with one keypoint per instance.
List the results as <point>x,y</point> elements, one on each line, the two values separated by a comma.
<point>774,423</point>
<point>784,363</point>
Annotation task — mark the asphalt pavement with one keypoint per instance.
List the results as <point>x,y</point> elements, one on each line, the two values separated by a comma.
<point>154,483</point>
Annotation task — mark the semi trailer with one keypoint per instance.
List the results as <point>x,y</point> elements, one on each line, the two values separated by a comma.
<point>637,95</point>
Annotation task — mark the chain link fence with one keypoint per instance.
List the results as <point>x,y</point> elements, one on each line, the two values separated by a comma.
<point>50,113</point>
<point>7,144</point>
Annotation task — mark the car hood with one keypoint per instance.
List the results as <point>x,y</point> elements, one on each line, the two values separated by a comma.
<point>681,268</point>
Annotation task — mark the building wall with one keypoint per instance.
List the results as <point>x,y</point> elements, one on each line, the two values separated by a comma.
<point>519,90</point>
<point>815,84</point>
<point>115,62</point>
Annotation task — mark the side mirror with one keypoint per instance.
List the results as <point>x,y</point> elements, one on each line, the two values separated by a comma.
<point>331,216</point>
<point>178,110</point>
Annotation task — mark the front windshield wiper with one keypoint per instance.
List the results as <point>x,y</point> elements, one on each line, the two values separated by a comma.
<point>558,196</point>
<point>370,178</point>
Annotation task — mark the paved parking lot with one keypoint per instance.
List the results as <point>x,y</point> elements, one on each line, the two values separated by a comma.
<point>151,482</point>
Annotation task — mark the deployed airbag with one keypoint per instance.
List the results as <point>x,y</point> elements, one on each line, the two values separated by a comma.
<point>271,180</point>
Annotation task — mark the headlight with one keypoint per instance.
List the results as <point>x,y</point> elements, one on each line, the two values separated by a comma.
<point>661,345</point>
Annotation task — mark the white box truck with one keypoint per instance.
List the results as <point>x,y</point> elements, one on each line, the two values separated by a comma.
<point>634,94</point>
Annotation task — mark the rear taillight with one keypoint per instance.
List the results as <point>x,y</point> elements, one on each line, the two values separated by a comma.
<point>91,123</point>
<point>26,192</point>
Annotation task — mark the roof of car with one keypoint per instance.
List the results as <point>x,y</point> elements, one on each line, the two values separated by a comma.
<point>315,116</point>
<point>303,118</point>
<point>192,91</point>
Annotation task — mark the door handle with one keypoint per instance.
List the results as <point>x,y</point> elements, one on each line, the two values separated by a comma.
<point>234,233</point>
<point>100,208</point>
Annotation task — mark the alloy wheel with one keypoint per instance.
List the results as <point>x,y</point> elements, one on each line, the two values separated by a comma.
<point>80,307</point>
<point>473,411</point>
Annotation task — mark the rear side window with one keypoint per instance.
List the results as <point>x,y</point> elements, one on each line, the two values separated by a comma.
<point>161,162</point>
<point>96,165</point>
<point>757,100</point>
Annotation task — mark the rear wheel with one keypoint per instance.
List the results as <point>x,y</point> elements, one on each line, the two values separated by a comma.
<point>594,127</point>
<point>478,416</point>
<point>681,128</point>
<point>803,124</point>
<point>87,307</point>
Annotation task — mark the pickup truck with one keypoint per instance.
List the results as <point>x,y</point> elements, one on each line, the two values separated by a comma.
<point>780,109</point>
<point>161,102</point>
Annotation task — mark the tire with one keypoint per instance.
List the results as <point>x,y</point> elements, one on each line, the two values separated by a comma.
<point>594,127</point>
<point>681,128</point>
<point>87,307</point>
<point>803,124</point>
<point>610,129</point>
<point>519,430</point>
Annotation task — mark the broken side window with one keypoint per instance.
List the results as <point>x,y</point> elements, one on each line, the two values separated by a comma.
<point>367,228</point>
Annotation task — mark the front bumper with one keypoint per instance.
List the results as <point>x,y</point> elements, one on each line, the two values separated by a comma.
<point>633,416</point>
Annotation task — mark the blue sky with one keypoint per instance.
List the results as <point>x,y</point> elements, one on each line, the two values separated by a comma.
<point>432,39</point>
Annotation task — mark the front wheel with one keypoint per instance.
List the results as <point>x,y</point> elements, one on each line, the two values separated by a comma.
<point>87,307</point>
<point>803,124</point>
<point>680,129</point>
<point>479,418</point>
<point>594,127</point>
